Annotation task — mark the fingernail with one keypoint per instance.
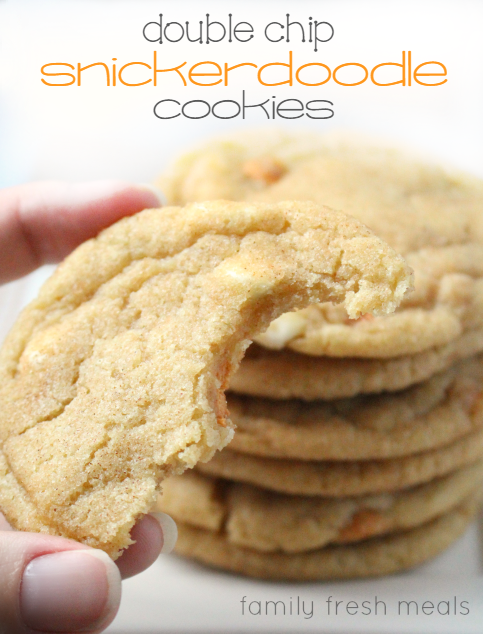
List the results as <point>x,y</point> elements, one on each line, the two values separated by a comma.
<point>170,531</point>
<point>71,591</point>
<point>156,191</point>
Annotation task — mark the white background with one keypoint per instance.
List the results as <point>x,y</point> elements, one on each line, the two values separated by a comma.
<point>93,131</point>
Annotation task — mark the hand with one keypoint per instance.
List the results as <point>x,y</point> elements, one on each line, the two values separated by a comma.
<point>47,583</point>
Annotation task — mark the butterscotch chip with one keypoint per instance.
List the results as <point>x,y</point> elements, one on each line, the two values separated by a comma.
<point>113,377</point>
<point>429,214</point>
<point>339,479</point>
<point>256,518</point>
<point>423,417</point>
<point>265,169</point>
<point>377,556</point>
<point>231,167</point>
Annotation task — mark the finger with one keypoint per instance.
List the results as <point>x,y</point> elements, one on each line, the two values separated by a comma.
<point>153,534</point>
<point>43,222</point>
<point>51,584</point>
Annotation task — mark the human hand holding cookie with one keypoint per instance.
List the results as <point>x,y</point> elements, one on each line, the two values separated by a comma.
<point>49,582</point>
<point>113,378</point>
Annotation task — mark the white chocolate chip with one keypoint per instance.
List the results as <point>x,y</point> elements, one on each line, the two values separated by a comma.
<point>282,330</point>
<point>248,277</point>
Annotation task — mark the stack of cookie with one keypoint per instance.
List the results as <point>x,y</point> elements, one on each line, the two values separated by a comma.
<point>359,447</point>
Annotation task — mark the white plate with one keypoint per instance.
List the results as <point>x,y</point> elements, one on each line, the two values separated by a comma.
<point>179,596</point>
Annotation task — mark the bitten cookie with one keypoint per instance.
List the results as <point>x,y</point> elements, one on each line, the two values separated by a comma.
<point>430,215</point>
<point>113,377</point>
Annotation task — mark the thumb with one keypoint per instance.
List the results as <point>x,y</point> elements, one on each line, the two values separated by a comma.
<point>43,222</point>
<point>51,584</point>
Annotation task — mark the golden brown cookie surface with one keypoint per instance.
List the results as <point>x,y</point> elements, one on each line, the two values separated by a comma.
<point>339,479</point>
<point>378,556</point>
<point>113,377</point>
<point>420,418</point>
<point>432,216</point>
<point>286,374</point>
<point>265,521</point>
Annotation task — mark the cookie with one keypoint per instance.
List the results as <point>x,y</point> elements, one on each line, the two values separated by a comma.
<point>449,305</point>
<point>287,374</point>
<point>113,377</point>
<point>339,479</point>
<point>374,557</point>
<point>256,518</point>
<point>423,417</point>
<point>230,168</point>
<point>430,215</point>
